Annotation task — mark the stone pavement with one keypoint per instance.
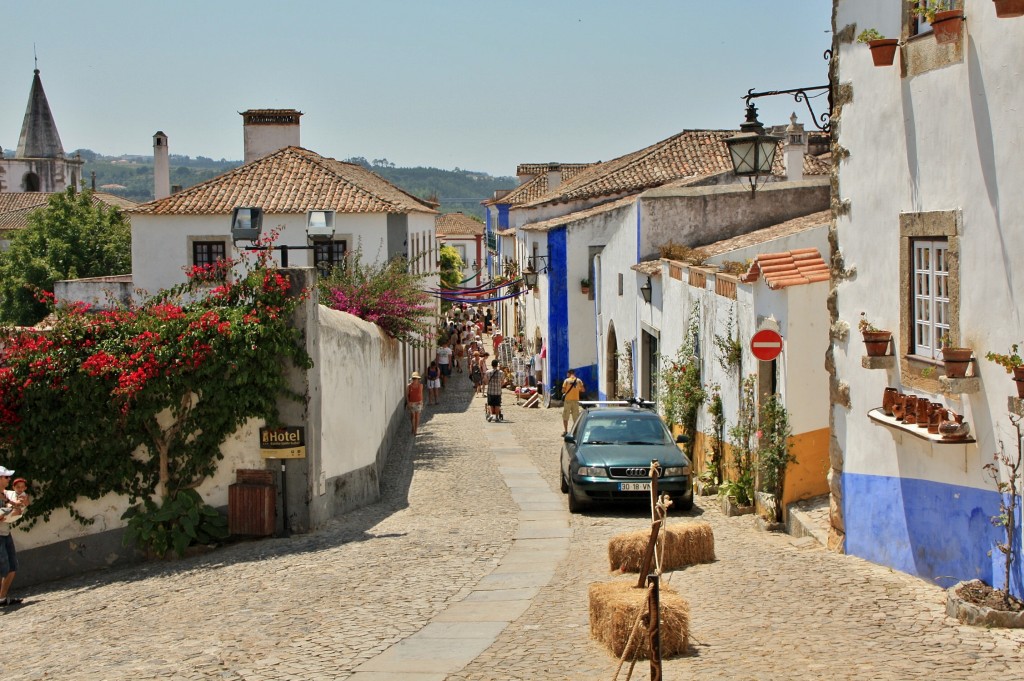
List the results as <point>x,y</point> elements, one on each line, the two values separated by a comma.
<point>469,568</point>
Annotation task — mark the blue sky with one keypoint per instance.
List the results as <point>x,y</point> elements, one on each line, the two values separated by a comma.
<point>445,83</point>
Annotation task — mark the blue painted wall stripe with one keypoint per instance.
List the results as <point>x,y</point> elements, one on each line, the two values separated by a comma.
<point>933,530</point>
<point>558,306</point>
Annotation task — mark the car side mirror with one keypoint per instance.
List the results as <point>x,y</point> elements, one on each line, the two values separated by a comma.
<point>682,439</point>
<point>570,439</point>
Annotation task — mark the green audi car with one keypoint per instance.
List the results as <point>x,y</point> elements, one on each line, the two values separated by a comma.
<point>608,454</point>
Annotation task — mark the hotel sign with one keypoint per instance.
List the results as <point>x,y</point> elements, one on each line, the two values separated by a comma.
<point>283,443</point>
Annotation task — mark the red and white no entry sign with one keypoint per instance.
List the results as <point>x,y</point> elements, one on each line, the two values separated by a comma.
<point>766,345</point>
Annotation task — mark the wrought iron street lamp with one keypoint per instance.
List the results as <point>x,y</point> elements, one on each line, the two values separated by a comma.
<point>753,150</point>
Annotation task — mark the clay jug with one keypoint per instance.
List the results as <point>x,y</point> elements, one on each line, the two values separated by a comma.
<point>924,413</point>
<point>938,414</point>
<point>898,406</point>
<point>954,428</point>
<point>910,410</point>
<point>888,397</point>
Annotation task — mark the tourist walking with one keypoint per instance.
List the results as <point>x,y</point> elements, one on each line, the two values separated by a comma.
<point>572,388</point>
<point>444,361</point>
<point>10,513</point>
<point>494,380</point>
<point>433,383</point>
<point>414,400</point>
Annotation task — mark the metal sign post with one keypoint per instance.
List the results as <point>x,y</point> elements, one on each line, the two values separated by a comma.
<point>284,443</point>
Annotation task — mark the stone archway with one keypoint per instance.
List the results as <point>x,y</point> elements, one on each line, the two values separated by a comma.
<point>611,353</point>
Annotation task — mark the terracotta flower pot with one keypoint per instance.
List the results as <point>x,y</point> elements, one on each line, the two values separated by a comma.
<point>1007,9</point>
<point>910,410</point>
<point>1018,377</point>
<point>946,26</point>
<point>883,51</point>
<point>899,406</point>
<point>956,360</point>
<point>877,342</point>
<point>924,413</point>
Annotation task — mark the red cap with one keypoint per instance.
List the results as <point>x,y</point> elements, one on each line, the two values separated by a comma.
<point>17,480</point>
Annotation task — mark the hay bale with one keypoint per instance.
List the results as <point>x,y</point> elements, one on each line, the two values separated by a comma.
<point>613,610</point>
<point>685,544</point>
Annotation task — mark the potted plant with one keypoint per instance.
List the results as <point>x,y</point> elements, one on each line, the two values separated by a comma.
<point>1006,9</point>
<point>943,15</point>
<point>774,455</point>
<point>585,286</point>
<point>956,360</point>
<point>876,341</point>
<point>1013,364</point>
<point>883,50</point>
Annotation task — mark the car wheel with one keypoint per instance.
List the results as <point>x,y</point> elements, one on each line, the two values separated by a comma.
<point>562,483</point>
<point>687,504</point>
<point>575,505</point>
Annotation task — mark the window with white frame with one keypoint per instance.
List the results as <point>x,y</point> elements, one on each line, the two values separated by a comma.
<point>930,294</point>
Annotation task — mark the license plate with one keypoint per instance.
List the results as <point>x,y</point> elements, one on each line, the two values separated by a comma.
<point>634,487</point>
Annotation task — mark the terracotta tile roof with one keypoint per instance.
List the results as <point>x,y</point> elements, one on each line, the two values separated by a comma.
<point>789,268</point>
<point>537,186</point>
<point>552,223</point>
<point>651,268</point>
<point>457,224</point>
<point>761,236</point>
<point>291,180</point>
<point>691,153</point>
<point>16,206</point>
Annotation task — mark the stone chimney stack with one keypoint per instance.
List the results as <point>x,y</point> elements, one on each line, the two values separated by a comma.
<point>793,149</point>
<point>161,166</point>
<point>268,130</point>
<point>554,175</point>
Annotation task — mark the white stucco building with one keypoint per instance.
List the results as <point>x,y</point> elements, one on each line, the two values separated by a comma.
<point>927,244</point>
<point>193,227</point>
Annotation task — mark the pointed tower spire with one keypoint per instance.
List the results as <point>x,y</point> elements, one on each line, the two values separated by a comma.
<point>39,138</point>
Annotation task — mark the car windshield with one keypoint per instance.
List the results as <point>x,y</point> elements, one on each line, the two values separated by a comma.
<point>624,430</point>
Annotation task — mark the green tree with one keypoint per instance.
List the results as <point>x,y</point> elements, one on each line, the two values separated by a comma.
<point>72,237</point>
<point>451,267</point>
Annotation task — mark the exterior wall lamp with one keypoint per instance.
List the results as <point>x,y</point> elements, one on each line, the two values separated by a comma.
<point>752,151</point>
<point>647,290</point>
<point>247,224</point>
<point>531,273</point>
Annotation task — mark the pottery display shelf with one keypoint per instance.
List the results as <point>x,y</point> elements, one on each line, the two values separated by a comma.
<point>879,416</point>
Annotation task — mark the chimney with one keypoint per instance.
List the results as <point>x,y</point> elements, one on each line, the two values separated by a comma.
<point>793,150</point>
<point>554,175</point>
<point>265,131</point>
<point>161,166</point>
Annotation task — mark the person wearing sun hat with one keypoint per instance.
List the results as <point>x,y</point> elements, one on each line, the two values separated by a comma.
<point>414,400</point>
<point>10,513</point>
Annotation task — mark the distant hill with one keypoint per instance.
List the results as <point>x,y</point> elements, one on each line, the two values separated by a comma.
<point>132,177</point>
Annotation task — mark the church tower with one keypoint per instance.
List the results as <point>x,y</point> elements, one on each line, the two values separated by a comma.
<point>39,163</point>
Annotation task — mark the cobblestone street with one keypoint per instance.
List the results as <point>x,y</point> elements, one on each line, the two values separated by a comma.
<point>348,600</point>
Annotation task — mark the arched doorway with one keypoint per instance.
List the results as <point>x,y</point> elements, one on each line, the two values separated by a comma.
<point>31,182</point>
<point>611,353</point>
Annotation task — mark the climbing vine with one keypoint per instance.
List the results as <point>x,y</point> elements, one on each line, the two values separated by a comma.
<point>137,401</point>
<point>774,455</point>
<point>713,470</point>
<point>743,438</point>
<point>682,392</point>
<point>730,350</point>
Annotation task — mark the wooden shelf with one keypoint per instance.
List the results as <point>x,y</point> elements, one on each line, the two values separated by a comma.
<point>878,416</point>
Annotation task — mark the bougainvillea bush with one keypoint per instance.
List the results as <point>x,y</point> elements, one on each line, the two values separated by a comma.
<point>137,401</point>
<point>386,294</point>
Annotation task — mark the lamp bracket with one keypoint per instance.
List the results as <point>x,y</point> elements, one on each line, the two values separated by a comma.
<point>801,94</point>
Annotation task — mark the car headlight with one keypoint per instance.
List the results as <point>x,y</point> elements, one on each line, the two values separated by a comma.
<point>592,472</point>
<point>676,471</point>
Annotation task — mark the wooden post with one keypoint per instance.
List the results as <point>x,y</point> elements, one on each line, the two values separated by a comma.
<point>654,625</point>
<point>645,566</point>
